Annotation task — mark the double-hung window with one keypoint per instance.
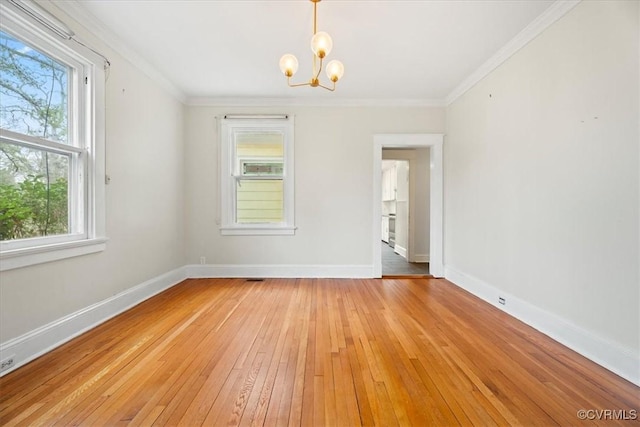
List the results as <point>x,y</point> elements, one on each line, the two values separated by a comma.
<point>257,175</point>
<point>50,150</point>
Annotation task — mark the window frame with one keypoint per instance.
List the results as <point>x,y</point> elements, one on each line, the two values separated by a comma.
<point>229,162</point>
<point>85,148</point>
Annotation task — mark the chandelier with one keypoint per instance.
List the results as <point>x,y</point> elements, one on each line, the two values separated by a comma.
<point>321,45</point>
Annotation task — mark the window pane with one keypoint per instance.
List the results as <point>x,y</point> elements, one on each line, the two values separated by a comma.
<point>33,91</point>
<point>34,199</point>
<point>251,146</point>
<point>259,201</point>
<point>260,154</point>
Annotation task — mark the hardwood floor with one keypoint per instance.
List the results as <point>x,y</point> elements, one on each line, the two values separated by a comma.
<point>313,352</point>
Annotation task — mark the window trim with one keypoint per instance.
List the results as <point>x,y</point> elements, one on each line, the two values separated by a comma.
<point>86,140</point>
<point>228,127</point>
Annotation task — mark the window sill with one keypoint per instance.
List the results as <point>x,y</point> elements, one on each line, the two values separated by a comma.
<point>258,231</point>
<point>18,258</point>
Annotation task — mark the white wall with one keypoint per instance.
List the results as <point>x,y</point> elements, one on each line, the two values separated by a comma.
<point>541,177</point>
<point>333,151</point>
<point>144,207</point>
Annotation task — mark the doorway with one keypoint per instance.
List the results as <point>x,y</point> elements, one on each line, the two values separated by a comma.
<point>405,212</point>
<point>399,141</point>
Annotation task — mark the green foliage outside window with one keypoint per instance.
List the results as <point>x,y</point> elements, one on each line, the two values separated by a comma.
<point>31,208</point>
<point>34,194</point>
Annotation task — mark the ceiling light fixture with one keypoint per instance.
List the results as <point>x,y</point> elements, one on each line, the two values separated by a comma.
<point>321,45</point>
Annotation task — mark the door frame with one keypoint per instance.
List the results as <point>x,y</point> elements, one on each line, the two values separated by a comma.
<point>434,143</point>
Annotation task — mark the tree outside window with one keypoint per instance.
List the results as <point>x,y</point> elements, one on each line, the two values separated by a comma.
<point>34,179</point>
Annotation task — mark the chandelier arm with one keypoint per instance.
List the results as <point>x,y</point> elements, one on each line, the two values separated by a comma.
<point>314,66</point>
<point>328,88</point>
<point>319,69</point>
<point>297,84</point>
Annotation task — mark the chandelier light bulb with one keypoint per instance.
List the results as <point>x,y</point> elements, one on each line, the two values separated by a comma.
<point>288,64</point>
<point>335,70</point>
<point>321,44</point>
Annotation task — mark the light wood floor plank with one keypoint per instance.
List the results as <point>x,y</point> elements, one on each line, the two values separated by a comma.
<point>305,352</point>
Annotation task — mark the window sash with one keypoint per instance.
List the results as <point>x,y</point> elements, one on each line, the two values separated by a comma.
<point>261,207</point>
<point>76,199</point>
<point>35,142</point>
<point>77,73</point>
<point>79,147</point>
<point>231,173</point>
<point>28,62</point>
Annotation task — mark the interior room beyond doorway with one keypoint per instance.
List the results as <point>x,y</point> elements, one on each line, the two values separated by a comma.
<point>405,211</point>
<point>394,264</point>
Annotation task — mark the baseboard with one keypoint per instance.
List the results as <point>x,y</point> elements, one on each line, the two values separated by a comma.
<point>286,271</point>
<point>400,250</point>
<point>620,360</point>
<point>421,258</point>
<point>35,343</point>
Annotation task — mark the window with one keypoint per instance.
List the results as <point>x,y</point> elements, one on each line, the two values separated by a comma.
<point>50,201</point>
<point>257,175</point>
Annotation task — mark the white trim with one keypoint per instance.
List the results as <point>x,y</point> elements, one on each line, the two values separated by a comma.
<point>18,258</point>
<point>228,127</point>
<point>312,102</point>
<point>618,359</point>
<point>196,271</point>
<point>421,258</point>
<point>33,344</point>
<point>79,13</point>
<point>258,231</point>
<point>434,143</point>
<point>554,12</point>
<point>402,251</point>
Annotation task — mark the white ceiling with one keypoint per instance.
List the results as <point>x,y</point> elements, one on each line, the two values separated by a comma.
<point>392,50</point>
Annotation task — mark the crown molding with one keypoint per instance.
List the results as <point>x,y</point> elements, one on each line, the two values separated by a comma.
<point>78,13</point>
<point>311,102</point>
<point>554,12</point>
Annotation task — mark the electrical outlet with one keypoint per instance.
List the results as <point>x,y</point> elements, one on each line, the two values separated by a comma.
<point>203,260</point>
<point>502,301</point>
<point>7,363</point>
